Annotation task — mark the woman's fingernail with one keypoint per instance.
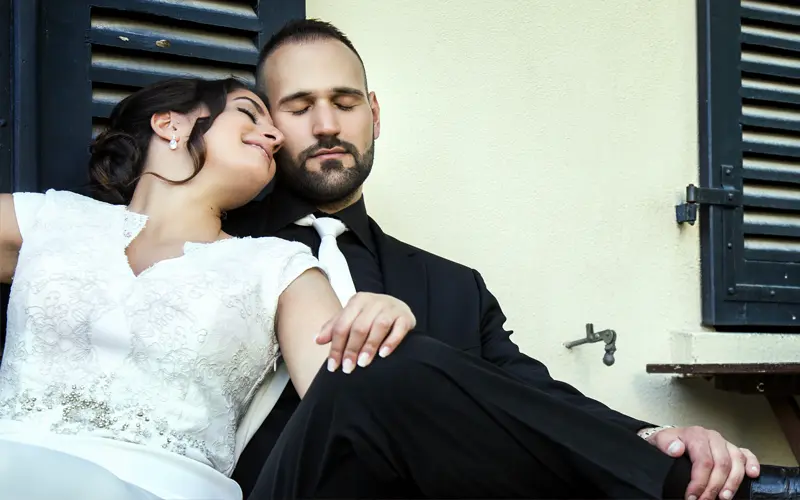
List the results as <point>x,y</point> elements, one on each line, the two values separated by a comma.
<point>727,495</point>
<point>385,350</point>
<point>692,497</point>
<point>331,365</point>
<point>348,366</point>
<point>674,447</point>
<point>754,468</point>
<point>363,359</point>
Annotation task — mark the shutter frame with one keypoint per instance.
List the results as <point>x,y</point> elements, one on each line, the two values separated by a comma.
<point>745,287</point>
<point>6,120</point>
<point>24,94</point>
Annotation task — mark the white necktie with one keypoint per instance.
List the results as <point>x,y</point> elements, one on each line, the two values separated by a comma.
<point>330,256</point>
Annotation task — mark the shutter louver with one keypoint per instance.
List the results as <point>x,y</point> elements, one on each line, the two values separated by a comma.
<point>147,42</point>
<point>750,116</point>
<point>96,52</point>
<point>771,131</point>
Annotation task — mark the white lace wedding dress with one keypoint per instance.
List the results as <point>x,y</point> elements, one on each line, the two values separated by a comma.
<point>147,376</point>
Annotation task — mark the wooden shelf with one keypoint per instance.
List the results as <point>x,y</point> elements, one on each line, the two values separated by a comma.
<point>779,383</point>
<point>710,370</point>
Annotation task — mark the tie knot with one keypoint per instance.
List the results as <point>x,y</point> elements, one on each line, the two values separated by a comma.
<point>328,226</point>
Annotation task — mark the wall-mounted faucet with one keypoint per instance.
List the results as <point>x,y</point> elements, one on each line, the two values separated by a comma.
<point>607,336</point>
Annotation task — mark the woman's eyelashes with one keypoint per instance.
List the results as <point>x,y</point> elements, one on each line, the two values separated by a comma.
<point>250,114</point>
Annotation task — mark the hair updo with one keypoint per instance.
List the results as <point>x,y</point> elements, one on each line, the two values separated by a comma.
<point>118,154</point>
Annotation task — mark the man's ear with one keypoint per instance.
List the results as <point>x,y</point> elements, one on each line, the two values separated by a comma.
<point>376,115</point>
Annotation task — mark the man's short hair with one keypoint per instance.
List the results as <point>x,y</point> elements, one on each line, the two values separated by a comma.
<point>300,31</point>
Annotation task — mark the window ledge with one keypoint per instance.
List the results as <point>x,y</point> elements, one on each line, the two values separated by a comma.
<point>717,347</point>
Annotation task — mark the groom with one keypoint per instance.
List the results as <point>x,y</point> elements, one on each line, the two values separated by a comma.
<point>457,410</point>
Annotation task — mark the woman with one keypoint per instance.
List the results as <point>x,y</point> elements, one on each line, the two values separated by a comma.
<point>138,331</point>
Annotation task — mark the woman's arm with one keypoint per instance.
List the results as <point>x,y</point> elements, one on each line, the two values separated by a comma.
<point>310,316</point>
<point>303,308</point>
<point>10,238</point>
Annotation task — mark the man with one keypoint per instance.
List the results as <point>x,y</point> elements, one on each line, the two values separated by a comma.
<point>456,410</point>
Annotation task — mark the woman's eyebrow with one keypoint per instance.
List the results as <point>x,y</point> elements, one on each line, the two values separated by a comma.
<point>257,105</point>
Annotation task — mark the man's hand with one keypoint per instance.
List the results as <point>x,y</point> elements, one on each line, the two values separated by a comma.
<point>370,323</point>
<point>718,467</point>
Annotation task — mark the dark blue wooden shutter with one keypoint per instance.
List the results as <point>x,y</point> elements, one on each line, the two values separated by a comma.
<point>750,151</point>
<point>95,52</point>
<point>6,48</point>
<point>72,60</point>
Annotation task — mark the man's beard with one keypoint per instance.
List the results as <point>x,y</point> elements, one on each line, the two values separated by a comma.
<point>334,182</point>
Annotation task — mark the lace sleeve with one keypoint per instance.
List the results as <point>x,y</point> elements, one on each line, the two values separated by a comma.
<point>284,261</point>
<point>298,261</point>
<point>27,207</point>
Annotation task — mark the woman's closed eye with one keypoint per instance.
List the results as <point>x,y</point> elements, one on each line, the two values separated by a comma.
<point>249,113</point>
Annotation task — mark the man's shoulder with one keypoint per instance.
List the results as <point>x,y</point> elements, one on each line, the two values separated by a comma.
<point>430,258</point>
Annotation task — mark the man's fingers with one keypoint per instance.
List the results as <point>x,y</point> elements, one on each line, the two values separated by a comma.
<point>668,442</point>
<point>702,465</point>
<point>752,467</point>
<point>736,475</point>
<point>340,332</point>
<point>722,466</point>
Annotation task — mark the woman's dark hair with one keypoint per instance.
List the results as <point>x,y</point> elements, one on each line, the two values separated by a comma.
<point>118,154</point>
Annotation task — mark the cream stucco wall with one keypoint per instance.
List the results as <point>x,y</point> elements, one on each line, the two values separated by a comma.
<point>545,142</point>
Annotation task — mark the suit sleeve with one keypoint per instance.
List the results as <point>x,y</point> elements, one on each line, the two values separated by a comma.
<point>497,348</point>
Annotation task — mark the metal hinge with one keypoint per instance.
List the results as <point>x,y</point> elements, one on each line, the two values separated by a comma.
<point>687,211</point>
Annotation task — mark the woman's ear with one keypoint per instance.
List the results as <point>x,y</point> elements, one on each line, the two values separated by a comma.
<point>162,126</point>
<point>171,125</point>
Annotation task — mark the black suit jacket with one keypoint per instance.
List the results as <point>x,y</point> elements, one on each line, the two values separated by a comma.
<point>452,304</point>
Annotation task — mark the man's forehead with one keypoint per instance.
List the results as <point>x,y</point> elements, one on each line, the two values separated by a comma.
<point>316,66</point>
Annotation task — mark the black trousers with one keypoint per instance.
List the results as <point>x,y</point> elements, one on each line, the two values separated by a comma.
<point>432,421</point>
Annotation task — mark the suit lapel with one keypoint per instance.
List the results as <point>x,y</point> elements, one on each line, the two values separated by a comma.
<point>404,274</point>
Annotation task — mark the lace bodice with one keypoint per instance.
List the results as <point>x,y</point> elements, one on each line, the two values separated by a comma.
<point>168,359</point>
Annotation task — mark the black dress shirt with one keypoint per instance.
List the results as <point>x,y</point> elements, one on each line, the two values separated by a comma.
<point>358,244</point>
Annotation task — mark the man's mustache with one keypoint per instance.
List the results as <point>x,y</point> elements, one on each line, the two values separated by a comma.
<point>329,143</point>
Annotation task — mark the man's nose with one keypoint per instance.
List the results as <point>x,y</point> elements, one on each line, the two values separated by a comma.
<point>326,122</point>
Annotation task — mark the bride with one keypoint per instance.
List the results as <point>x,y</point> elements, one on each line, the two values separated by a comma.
<point>138,331</point>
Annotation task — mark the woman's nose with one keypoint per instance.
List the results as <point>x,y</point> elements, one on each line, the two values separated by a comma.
<point>276,137</point>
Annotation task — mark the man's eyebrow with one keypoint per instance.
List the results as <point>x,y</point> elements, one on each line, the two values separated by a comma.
<point>348,91</point>
<point>257,105</point>
<point>304,94</point>
<point>291,97</point>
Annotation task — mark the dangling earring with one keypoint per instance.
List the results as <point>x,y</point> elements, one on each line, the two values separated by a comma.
<point>173,144</point>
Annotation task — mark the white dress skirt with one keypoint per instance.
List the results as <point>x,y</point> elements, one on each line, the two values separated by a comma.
<point>29,472</point>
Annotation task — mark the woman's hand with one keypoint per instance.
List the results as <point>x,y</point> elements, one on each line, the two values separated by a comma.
<point>369,324</point>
